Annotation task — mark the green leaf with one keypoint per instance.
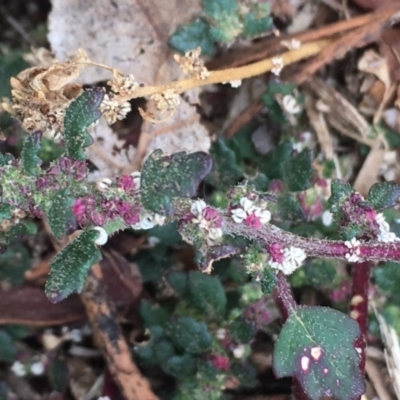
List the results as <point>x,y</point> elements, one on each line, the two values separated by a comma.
<point>153,314</point>
<point>14,263</point>
<point>254,26</point>
<point>341,191</point>
<point>29,155</point>
<point>241,330</point>
<point>8,351</point>
<point>58,375</point>
<point>321,272</point>
<point>387,278</point>
<point>60,214</point>
<point>188,37</point>
<point>181,367</point>
<point>217,9</point>
<point>69,268</point>
<point>290,209</point>
<point>206,293</point>
<point>226,171</point>
<point>178,281</point>
<point>163,350</point>
<point>298,171</point>
<point>80,114</point>
<point>6,158</point>
<point>275,162</point>
<point>15,233</point>
<point>268,281</point>
<point>189,335</point>
<point>317,347</point>
<point>5,211</point>
<point>165,178</point>
<point>384,195</point>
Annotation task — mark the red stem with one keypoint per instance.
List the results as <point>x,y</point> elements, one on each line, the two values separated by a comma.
<point>359,306</point>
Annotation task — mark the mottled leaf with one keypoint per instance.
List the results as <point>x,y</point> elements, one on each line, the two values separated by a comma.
<point>29,154</point>
<point>69,268</point>
<point>167,177</point>
<point>298,171</point>
<point>387,278</point>
<point>189,335</point>
<point>226,171</point>
<point>188,37</point>
<point>317,347</point>
<point>80,114</point>
<point>242,330</point>
<point>290,209</point>
<point>384,195</point>
<point>60,214</point>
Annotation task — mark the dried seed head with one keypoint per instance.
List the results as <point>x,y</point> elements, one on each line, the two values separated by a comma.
<point>166,101</point>
<point>112,110</point>
<point>123,84</point>
<point>192,65</point>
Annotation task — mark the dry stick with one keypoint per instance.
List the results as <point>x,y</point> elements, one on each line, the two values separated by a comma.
<point>232,74</point>
<point>108,333</point>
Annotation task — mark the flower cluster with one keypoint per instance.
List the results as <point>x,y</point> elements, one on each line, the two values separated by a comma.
<point>192,65</point>
<point>353,254</point>
<point>208,219</point>
<point>252,215</point>
<point>148,221</point>
<point>384,230</point>
<point>122,84</point>
<point>112,110</point>
<point>166,101</point>
<point>286,259</point>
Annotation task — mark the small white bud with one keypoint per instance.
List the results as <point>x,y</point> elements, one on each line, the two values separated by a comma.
<point>37,368</point>
<point>238,215</point>
<point>103,236</point>
<point>238,351</point>
<point>104,184</point>
<point>136,179</point>
<point>290,104</point>
<point>18,369</point>
<point>198,207</point>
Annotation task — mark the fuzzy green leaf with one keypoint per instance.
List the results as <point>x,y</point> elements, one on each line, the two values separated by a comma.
<point>178,281</point>
<point>60,214</point>
<point>80,114</point>
<point>163,350</point>
<point>387,278</point>
<point>226,171</point>
<point>384,195</point>
<point>181,367</point>
<point>189,335</point>
<point>8,351</point>
<point>69,268</point>
<point>317,347</point>
<point>241,330</point>
<point>29,155</point>
<point>5,211</point>
<point>321,272</point>
<point>275,162</point>
<point>298,171</point>
<point>14,263</point>
<point>290,209</point>
<point>268,280</point>
<point>217,9</point>
<point>188,37</point>
<point>341,191</point>
<point>254,26</point>
<point>206,293</point>
<point>165,178</point>
<point>153,315</point>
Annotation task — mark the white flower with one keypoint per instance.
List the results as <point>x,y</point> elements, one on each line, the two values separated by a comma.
<point>103,236</point>
<point>136,179</point>
<point>19,369</point>
<point>264,215</point>
<point>198,207</point>
<point>385,235</point>
<point>148,221</point>
<point>293,259</point>
<point>354,246</point>
<point>37,368</point>
<point>221,334</point>
<point>277,63</point>
<point>238,351</point>
<point>104,184</point>
<point>238,215</point>
<point>327,218</point>
<point>247,205</point>
<point>290,104</point>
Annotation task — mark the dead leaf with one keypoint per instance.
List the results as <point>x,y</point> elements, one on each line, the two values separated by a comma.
<point>130,35</point>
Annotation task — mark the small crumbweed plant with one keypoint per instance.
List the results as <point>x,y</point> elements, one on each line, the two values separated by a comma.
<point>253,221</point>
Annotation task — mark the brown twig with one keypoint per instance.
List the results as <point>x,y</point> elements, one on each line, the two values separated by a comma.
<point>109,335</point>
